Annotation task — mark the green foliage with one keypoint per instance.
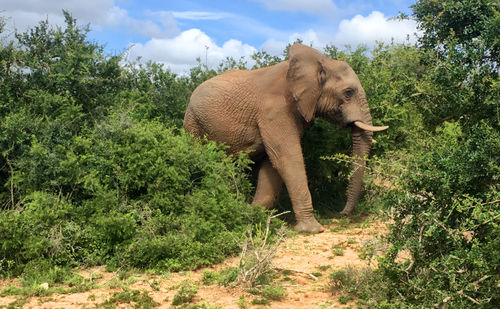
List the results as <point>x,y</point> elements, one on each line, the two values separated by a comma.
<point>54,85</point>
<point>263,59</point>
<point>444,195</point>
<point>205,305</point>
<point>242,302</point>
<point>144,197</point>
<point>228,275</point>
<point>134,297</point>
<point>187,291</point>
<point>462,47</point>
<point>91,171</point>
<point>155,93</point>
<point>261,301</point>
<point>447,216</point>
<point>438,171</point>
<point>473,23</point>
<point>224,277</point>
<point>273,291</point>
<point>366,284</point>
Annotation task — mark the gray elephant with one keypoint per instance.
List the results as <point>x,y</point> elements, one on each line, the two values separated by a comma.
<point>265,112</point>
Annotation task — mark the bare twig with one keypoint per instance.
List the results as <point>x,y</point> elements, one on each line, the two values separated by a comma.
<point>299,272</point>
<point>461,292</point>
<point>492,202</point>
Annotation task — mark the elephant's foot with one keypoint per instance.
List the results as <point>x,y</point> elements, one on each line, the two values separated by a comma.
<point>345,212</point>
<point>308,226</point>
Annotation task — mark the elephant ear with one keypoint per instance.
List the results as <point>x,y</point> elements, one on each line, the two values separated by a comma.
<point>305,78</point>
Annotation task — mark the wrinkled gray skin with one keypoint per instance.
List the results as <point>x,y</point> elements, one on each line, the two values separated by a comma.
<point>265,112</point>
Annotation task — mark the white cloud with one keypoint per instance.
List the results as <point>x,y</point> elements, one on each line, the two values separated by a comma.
<point>359,30</point>
<point>101,14</point>
<point>322,7</point>
<point>180,53</point>
<point>374,27</point>
<point>310,37</point>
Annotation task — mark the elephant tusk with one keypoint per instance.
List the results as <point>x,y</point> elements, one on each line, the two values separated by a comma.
<point>368,127</point>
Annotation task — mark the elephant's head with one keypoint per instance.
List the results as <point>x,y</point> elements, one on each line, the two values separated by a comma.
<point>330,89</point>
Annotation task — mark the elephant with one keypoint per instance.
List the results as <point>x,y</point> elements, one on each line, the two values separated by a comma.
<point>265,111</point>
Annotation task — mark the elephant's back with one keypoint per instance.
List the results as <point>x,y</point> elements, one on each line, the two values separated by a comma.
<point>228,88</point>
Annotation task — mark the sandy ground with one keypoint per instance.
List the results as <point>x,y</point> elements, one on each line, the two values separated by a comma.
<point>306,259</point>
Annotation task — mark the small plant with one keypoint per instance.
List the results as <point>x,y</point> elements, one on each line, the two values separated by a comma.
<point>317,274</point>
<point>18,303</point>
<point>366,284</point>
<point>227,275</point>
<point>338,251</point>
<point>273,291</point>
<point>116,282</point>
<point>261,301</point>
<point>325,305</point>
<point>242,302</point>
<point>124,274</point>
<point>341,224</point>
<point>344,299</point>
<point>341,278</point>
<point>155,284</point>
<point>186,293</point>
<point>140,299</point>
<point>209,277</point>
<point>371,248</point>
<point>351,241</point>
<point>205,305</point>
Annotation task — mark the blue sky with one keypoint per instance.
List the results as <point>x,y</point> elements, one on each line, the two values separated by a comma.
<point>177,32</point>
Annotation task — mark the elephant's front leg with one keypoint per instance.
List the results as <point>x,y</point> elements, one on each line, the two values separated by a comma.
<point>285,154</point>
<point>268,185</point>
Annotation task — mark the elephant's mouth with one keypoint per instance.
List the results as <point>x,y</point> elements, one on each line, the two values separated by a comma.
<point>368,127</point>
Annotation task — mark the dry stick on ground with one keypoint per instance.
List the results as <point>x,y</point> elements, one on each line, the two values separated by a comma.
<point>299,272</point>
<point>256,261</point>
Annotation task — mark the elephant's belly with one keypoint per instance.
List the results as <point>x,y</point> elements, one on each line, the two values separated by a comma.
<point>240,139</point>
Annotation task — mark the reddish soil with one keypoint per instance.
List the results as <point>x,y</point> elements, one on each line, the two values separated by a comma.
<point>306,259</point>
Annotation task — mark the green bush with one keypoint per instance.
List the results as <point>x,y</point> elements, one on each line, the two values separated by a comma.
<point>146,198</point>
<point>92,174</point>
<point>437,167</point>
<point>445,202</point>
<point>447,217</point>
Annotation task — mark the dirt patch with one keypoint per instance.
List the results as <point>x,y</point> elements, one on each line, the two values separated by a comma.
<point>303,263</point>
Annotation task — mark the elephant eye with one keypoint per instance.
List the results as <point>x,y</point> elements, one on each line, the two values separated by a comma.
<point>349,92</point>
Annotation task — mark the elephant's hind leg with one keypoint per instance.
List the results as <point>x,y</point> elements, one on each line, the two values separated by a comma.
<point>268,185</point>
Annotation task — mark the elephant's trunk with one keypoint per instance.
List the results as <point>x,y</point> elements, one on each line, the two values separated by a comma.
<point>361,143</point>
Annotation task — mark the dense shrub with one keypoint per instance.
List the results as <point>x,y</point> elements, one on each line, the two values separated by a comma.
<point>444,243</point>
<point>91,173</point>
<point>141,196</point>
<point>155,93</point>
<point>445,207</point>
<point>437,167</point>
